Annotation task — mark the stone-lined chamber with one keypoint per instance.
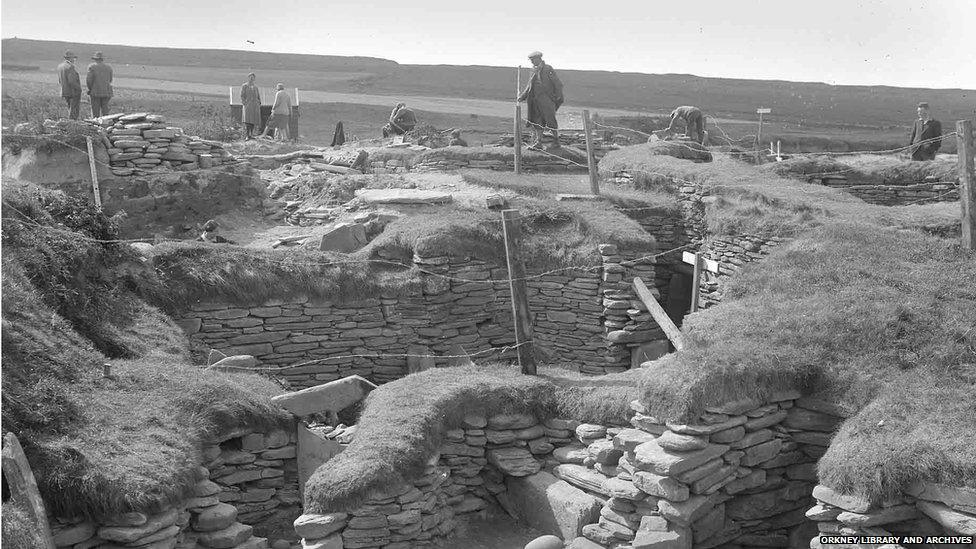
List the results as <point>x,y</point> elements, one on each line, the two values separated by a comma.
<point>587,317</point>
<point>247,486</point>
<point>742,474</point>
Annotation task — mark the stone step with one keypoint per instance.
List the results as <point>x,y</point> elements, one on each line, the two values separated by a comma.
<point>551,505</point>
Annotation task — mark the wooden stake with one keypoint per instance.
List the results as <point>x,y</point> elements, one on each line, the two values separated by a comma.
<point>660,316</point>
<point>967,182</point>
<point>23,486</point>
<point>520,297</point>
<point>94,172</point>
<point>517,130</point>
<point>518,139</point>
<point>696,281</point>
<point>590,156</point>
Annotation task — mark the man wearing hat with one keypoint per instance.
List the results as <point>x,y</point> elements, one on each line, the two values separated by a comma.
<point>99,85</point>
<point>543,95</point>
<point>70,84</point>
<point>926,135</point>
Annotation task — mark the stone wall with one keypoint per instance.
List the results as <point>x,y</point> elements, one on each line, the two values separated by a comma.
<point>731,253</point>
<point>895,195</point>
<point>499,158</point>
<point>741,474</point>
<point>246,488</point>
<point>589,318</point>
<point>141,143</point>
<point>927,509</point>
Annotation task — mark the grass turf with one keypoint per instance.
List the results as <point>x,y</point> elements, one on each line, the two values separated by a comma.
<point>866,169</point>
<point>101,446</point>
<point>403,423</point>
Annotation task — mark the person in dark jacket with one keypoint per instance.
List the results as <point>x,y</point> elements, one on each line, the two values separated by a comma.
<point>250,106</point>
<point>70,84</point>
<point>543,96</point>
<point>99,85</point>
<point>402,120</point>
<point>926,135</point>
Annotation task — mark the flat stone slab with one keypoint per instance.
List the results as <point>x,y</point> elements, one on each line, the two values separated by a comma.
<point>854,504</point>
<point>516,462</point>
<point>957,497</point>
<point>403,196</point>
<point>551,505</point>
<point>328,397</point>
<point>649,456</point>
<point>584,478</point>
<point>944,515</point>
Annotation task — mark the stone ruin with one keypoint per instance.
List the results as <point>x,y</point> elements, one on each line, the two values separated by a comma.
<point>140,143</point>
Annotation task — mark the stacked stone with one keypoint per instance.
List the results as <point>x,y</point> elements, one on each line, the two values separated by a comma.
<point>896,195</point>
<point>926,509</point>
<point>627,323</point>
<point>142,142</point>
<point>202,522</point>
<point>742,474</point>
<point>411,515</point>
<point>257,473</point>
<point>461,306</point>
<point>731,253</point>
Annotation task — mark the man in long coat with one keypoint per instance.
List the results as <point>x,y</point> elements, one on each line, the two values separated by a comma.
<point>250,106</point>
<point>926,134</point>
<point>70,84</point>
<point>99,85</point>
<point>543,96</point>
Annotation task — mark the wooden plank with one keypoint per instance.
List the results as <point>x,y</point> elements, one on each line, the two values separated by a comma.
<point>23,486</point>
<point>967,182</point>
<point>660,316</point>
<point>696,282</point>
<point>709,265</point>
<point>590,157</point>
<point>520,296</point>
<point>94,172</point>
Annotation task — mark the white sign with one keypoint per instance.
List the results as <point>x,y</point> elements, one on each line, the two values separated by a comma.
<point>763,111</point>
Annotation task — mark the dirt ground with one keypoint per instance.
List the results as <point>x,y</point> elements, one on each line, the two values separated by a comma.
<point>496,530</point>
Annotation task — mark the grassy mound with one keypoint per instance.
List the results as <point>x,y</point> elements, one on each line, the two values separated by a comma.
<point>404,422</point>
<point>187,272</point>
<point>866,169</point>
<point>554,235</point>
<point>101,446</point>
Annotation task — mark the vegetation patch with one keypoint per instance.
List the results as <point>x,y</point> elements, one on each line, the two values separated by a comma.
<point>100,446</point>
<point>403,422</point>
<point>866,169</point>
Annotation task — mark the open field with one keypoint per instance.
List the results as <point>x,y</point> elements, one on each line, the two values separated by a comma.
<point>806,115</point>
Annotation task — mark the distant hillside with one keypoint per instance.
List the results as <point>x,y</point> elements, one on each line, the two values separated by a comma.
<point>806,105</point>
<point>21,48</point>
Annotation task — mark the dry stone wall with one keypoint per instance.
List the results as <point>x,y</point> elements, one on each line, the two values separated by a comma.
<point>246,488</point>
<point>743,474</point>
<point>896,195</point>
<point>589,318</point>
<point>927,509</point>
<point>140,143</point>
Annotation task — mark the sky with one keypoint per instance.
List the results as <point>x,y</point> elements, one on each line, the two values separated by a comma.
<point>910,43</point>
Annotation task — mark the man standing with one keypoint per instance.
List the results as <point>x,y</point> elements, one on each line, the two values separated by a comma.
<point>543,96</point>
<point>99,85</point>
<point>926,135</point>
<point>70,84</point>
<point>694,123</point>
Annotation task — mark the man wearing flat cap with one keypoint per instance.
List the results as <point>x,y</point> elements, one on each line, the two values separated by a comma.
<point>544,95</point>
<point>99,85</point>
<point>926,135</point>
<point>70,84</point>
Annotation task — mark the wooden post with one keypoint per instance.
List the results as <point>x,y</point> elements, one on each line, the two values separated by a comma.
<point>590,156</point>
<point>517,129</point>
<point>23,486</point>
<point>696,282</point>
<point>660,316</point>
<point>967,182</point>
<point>94,172</point>
<point>520,297</point>
<point>518,138</point>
